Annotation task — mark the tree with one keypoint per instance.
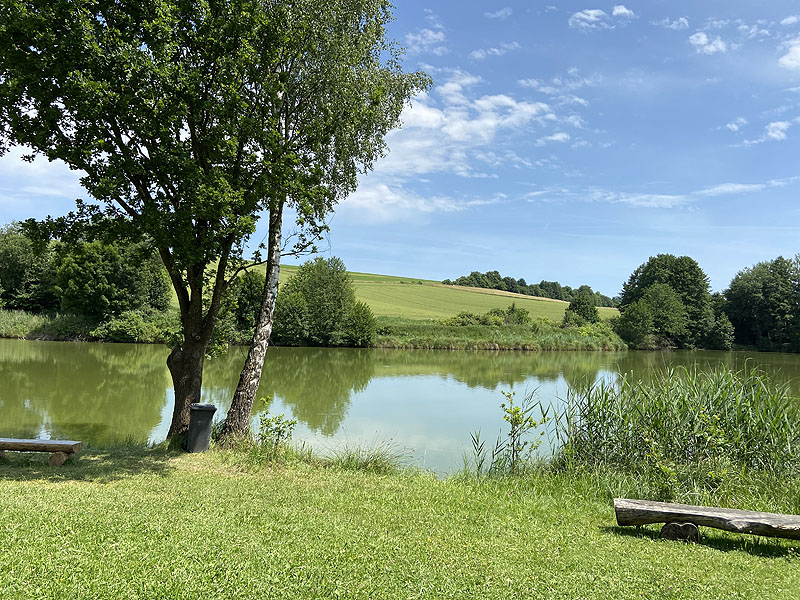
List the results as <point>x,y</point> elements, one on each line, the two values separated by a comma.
<point>27,272</point>
<point>345,91</point>
<point>668,312</point>
<point>583,306</point>
<point>689,282</point>
<point>635,325</point>
<point>317,307</point>
<point>100,280</point>
<point>763,304</point>
<point>191,119</point>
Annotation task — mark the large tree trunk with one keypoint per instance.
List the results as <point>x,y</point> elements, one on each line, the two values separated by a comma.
<point>237,422</point>
<point>186,367</point>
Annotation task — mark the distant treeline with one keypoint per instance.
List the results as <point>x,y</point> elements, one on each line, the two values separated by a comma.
<point>544,289</point>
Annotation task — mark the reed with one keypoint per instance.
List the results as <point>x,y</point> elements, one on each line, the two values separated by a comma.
<point>719,421</point>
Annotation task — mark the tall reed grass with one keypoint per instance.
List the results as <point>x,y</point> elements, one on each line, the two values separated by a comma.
<point>682,418</point>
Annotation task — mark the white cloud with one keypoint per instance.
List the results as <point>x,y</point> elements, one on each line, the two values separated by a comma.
<point>791,60</point>
<point>501,14</point>
<point>502,49</point>
<point>791,20</point>
<point>559,137</point>
<point>561,85</point>
<point>736,124</point>
<point>591,18</point>
<point>704,45</point>
<point>727,189</point>
<point>655,200</point>
<point>777,130</point>
<point>622,11</point>
<point>678,24</point>
<point>427,40</point>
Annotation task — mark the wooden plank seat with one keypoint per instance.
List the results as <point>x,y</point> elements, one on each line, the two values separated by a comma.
<point>643,512</point>
<point>60,450</point>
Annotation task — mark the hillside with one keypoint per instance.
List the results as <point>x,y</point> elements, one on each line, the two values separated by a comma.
<point>424,299</point>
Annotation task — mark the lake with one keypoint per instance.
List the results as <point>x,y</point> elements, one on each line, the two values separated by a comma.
<point>425,402</point>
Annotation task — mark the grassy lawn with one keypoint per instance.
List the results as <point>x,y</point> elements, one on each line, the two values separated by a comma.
<point>149,524</point>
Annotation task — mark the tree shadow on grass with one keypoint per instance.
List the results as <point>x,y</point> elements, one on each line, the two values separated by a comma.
<point>755,545</point>
<point>99,465</point>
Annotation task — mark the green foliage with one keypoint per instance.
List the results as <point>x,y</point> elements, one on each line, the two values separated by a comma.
<point>635,325</point>
<point>317,307</point>
<point>495,317</point>
<point>544,289</point>
<point>274,432</point>
<point>583,306</point>
<point>668,312</point>
<point>690,428</point>
<point>248,291</point>
<point>100,280</point>
<point>26,272</point>
<point>763,304</point>
<point>572,319</point>
<point>685,277</point>
<point>513,454</point>
<point>291,319</point>
<point>359,326</point>
<point>129,326</point>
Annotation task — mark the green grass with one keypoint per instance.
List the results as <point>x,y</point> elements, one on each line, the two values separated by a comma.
<point>153,525</point>
<point>395,332</point>
<point>424,299</point>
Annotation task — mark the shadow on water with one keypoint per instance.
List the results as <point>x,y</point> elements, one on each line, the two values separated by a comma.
<point>98,465</point>
<point>711,538</point>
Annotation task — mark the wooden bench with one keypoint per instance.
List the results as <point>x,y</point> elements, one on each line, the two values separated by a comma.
<point>61,449</point>
<point>676,516</point>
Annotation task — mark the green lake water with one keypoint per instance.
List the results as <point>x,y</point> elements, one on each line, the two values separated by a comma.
<point>425,402</point>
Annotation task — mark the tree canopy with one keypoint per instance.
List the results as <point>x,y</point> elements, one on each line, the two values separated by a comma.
<point>189,120</point>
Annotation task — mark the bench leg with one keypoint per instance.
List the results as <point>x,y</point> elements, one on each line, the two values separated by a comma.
<point>2,454</point>
<point>58,458</point>
<point>685,532</point>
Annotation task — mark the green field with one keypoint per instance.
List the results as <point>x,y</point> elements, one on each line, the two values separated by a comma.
<point>152,525</point>
<point>424,299</point>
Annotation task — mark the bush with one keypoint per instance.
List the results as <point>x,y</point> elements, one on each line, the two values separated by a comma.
<point>573,319</point>
<point>100,280</point>
<point>359,326</point>
<point>635,324</point>
<point>142,325</point>
<point>317,307</point>
<point>584,307</point>
<point>291,317</point>
<point>463,319</point>
<point>27,272</point>
<point>246,292</point>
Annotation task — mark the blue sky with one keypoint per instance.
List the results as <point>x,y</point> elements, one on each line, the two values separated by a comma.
<point>567,141</point>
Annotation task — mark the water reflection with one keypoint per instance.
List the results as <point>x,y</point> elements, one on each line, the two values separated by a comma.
<point>427,401</point>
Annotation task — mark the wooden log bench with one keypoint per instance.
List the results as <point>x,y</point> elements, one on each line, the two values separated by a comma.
<point>682,519</point>
<point>60,450</point>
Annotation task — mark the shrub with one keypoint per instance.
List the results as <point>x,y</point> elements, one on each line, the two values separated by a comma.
<point>100,280</point>
<point>359,326</point>
<point>141,325</point>
<point>463,319</point>
<point>27,272</point>
<point>290,325</point>
<point>317,307</point>
<point>582,306</point>
<point>573,319</point>
<point>635,324</point>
